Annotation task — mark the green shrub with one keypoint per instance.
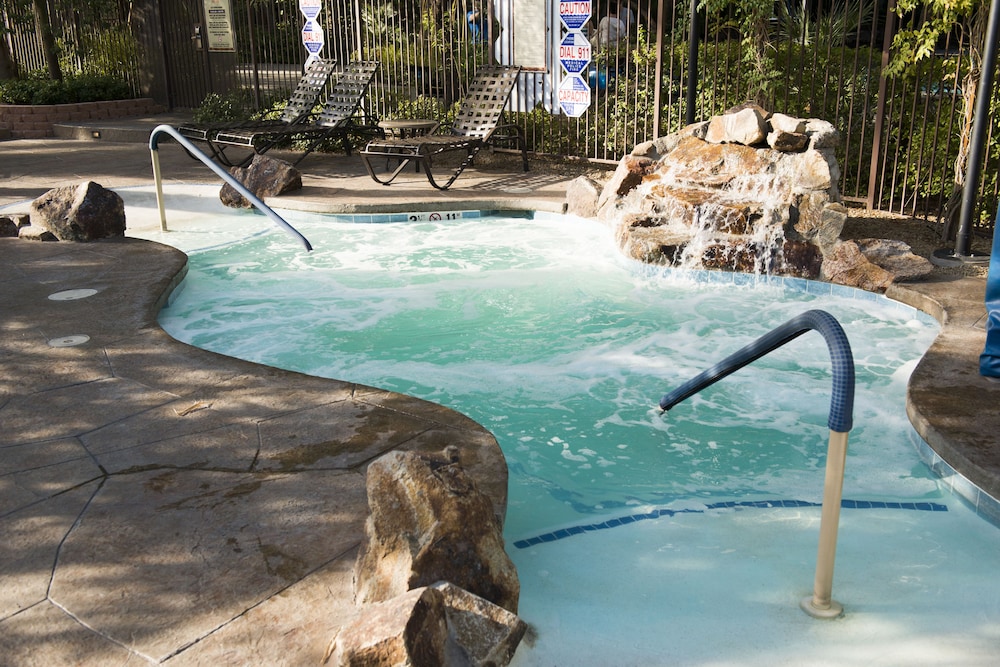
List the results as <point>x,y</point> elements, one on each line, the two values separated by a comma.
<point>36,89</point>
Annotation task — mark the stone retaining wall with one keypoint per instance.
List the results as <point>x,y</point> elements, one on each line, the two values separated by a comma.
<point>35,121</point>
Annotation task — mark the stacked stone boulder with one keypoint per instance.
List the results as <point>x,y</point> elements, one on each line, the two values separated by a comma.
<point>433,582</point>
<point>748,191</point>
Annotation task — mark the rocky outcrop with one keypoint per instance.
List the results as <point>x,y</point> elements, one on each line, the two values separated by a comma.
<point>427,523</point>
<point>434,582</point>
<point>84,212</point>
<point>746,191</point>
<point>264,177</point>
<point>873,264</point>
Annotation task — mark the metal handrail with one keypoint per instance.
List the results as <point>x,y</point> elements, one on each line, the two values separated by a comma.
<point>820,604</point>
<point>222,173</point>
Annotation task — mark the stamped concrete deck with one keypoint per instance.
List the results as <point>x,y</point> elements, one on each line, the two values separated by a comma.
<point>163,504</point>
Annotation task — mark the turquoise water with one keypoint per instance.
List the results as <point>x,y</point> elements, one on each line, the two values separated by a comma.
<point>541,331</point>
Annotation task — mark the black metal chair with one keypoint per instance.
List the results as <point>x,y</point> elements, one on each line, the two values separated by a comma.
<point>342,115</point>
<point>299,108</point>
<point>476,125</point>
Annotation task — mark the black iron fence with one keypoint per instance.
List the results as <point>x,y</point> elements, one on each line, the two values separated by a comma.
<point>905,138</point>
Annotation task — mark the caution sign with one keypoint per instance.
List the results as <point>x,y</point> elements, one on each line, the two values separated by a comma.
<point>310,8</point>
<point>574,52</point>
<point>574,14</point>
<point>574,96</point>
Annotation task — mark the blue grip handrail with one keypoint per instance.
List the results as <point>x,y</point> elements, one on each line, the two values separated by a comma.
<point>154,137</point>
<point>821,603</point>
<point>842,399</point>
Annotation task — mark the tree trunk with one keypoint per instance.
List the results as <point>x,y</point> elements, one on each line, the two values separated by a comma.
<point>970,88</point>
<point>44,29</point>
<point>8,68</point>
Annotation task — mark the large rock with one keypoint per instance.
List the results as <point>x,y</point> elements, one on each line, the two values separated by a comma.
<point>84,212</point>
<point>436,626</point>
<point>743,126</point>
<point>895,257</point>
<point>429,522</point>
<point>581,197</point>
<point>715,195</point>
<point>847,265</point>
<point>265,177</point>
<point>410,629</point>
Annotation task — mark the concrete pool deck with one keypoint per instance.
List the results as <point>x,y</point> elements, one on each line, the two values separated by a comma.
<point>160,503</point>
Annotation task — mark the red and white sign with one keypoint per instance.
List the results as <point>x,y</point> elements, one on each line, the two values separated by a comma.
<point>313,37</point>
<point>574,14</point>
<point>574,96</point>
<point>310,8</point>
<point>574,52</point>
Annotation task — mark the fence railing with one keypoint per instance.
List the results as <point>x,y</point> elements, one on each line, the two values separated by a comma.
<point>901,137</point>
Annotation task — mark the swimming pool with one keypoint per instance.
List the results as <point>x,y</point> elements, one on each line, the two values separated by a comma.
<point>639,538</point>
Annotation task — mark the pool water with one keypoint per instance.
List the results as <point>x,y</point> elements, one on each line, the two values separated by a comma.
<point>640,538</point>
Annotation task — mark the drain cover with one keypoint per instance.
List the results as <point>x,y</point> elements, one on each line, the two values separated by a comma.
<point>72,294</point>
<point>69,341</point>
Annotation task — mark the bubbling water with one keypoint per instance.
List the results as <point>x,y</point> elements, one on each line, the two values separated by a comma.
<point>541,332</point>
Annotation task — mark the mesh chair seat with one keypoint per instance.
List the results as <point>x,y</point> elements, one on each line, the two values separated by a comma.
<point>298,109</point>
<point>476,123</point>
<point>340,117</point>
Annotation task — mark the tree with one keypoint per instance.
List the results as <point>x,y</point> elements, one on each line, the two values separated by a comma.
<point>911,46</point>
<point>8,68</point>
<point>43,26</point>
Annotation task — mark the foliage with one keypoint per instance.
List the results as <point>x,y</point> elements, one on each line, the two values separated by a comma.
<point>632,99</point>
<point>836,25</point>
<point>753,19</point>
<point>237,104</point>
<point>39,89</point>
<point>110,52</point>
<point>554,134</point>
<point>917,42</point>
<point>425,107</point>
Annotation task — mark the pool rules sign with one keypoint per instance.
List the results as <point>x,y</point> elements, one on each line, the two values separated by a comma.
<point>574,56</point>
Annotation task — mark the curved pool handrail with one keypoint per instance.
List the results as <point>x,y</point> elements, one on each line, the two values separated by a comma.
<point>222,173</point>
<point>821,603</point>
<point>841,417</point>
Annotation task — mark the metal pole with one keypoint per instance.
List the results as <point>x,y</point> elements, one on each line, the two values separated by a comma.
<point>658,69</point>
<point>821,604</point>
<point>980,125</point>
<point>692,82</point>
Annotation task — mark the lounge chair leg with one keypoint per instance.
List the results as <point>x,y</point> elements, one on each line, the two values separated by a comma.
<point>403,161</point>
<point>469,157</point>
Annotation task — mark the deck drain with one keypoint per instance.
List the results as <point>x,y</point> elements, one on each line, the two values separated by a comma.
<point>69,341</point>
<point>72,294</point>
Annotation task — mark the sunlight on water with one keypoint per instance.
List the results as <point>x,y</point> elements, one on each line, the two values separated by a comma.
<point>540,331</point>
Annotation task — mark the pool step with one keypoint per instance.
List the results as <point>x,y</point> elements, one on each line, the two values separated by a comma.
<point>118,130</point>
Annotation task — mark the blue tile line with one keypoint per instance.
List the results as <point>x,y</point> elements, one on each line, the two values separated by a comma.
<point>563,533</point>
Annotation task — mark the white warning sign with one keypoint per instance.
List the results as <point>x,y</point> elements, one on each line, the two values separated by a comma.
<point>574,96</point>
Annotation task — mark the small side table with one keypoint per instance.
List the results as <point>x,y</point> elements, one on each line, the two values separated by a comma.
<point>413,127</point>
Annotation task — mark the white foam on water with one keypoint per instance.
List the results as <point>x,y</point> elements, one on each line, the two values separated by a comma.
<point>542,333</point>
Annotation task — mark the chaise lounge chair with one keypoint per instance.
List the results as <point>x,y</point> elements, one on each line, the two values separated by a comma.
<point>475,125</point>
<point>298,109</point>
<point>341,116</point>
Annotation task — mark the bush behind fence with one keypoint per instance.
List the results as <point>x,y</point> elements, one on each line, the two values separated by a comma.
<point>902,136</point>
